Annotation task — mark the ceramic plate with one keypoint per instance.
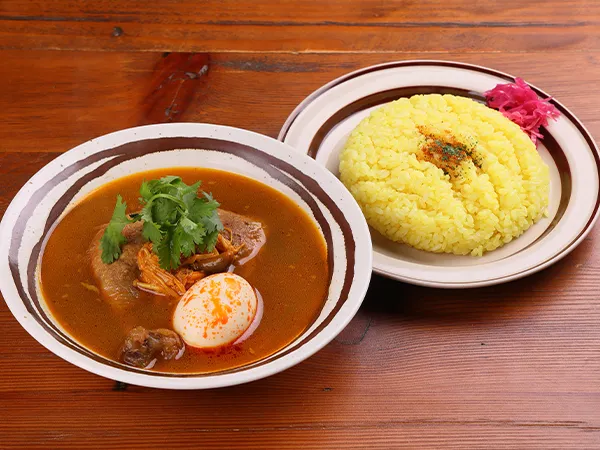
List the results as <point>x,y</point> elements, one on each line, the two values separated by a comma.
<point>53,191</point>
<point>321,124</point>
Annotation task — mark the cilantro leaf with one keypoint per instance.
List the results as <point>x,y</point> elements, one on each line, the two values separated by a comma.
<point>183,242</point>
<point>151,232</point>
<point>178,219</point>
<point>164,210</point>
<point>202,208</point>
<point>196,231</point>
<point>145,191</point>
<point>113,238</point>
<point>169,179</point>
<point>146,212</point>
<point>213,223</point>
<point>163,250</point>
<point>190,194</point>
<point>209,242</point>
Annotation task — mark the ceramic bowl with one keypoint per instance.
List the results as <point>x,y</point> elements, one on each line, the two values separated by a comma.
<point>53,191</point>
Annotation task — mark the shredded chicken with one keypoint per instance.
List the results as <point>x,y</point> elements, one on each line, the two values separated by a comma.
<point>188,276</point>
<point>155,279</point>
<point>173,284</point>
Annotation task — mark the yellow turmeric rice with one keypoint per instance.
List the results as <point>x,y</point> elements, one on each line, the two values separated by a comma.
<point>445,174</point>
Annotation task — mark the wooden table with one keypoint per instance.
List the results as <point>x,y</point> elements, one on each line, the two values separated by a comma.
<point>513,366</point>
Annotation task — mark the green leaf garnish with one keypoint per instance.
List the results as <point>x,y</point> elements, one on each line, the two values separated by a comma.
<point>151,232</point>
<point>177,221</point>
<point>113,238</point>
<point>210,240</point>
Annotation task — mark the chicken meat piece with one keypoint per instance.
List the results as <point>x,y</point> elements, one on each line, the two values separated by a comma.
<point>143,347</point>
<point>115,280</point>
<point>244,231</point>
<point>241,240</point>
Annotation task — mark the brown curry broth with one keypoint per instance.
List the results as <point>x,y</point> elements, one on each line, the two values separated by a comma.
<point>290,272</point>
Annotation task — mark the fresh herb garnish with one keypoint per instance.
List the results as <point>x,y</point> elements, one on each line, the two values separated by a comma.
<point>112,239</point>
<point>176,220</point>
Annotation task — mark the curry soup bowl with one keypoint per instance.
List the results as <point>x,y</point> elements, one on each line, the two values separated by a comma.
<point>52,192</point>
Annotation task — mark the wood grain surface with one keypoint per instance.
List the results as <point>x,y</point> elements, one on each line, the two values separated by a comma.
<point>514,366</point>
<point>302,26</point>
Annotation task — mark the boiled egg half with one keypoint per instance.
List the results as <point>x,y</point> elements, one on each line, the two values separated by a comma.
<point>216,311</point>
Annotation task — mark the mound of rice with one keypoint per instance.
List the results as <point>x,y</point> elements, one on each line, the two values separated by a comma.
<point>444,173</point>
